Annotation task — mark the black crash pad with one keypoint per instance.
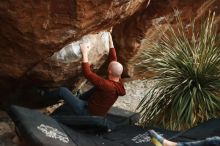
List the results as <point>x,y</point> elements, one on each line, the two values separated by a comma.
<point>41,130</point>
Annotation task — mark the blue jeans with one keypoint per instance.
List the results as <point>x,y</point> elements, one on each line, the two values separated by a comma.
<point>212,141</point>
<point>78,106</point>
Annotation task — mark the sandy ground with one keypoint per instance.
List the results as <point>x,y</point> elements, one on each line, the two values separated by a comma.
<point>135,91</point>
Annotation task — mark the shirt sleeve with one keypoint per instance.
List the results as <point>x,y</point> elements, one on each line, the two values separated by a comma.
<point>95,79</point>
<point>112,55</point>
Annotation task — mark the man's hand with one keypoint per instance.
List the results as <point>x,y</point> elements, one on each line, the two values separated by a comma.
<point>110,30</point>
<point>111,45</point>
<point>84,49</point>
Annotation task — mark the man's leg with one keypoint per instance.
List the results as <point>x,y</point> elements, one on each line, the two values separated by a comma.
<point>156,138</point>
<point>75,103</point>
<point>212,141</point>
<point>85,96</point>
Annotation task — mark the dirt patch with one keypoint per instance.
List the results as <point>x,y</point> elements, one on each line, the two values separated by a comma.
<point>135,91</point>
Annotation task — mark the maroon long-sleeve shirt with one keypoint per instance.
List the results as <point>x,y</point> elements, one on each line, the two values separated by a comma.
<point>107,91</point>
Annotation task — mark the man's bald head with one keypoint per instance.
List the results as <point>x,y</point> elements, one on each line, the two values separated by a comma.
<point>115,69</point>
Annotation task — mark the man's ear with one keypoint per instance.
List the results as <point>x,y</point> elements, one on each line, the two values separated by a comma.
<point>109,71</point>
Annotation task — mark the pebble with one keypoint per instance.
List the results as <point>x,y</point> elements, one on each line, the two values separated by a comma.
<point>7,133</point>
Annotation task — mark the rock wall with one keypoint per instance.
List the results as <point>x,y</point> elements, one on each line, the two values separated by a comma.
<point>31,31</point>
<point>130,35</point>
<point>64,65</point>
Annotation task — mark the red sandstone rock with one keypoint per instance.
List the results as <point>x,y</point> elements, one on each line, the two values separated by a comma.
<point>31,31</point>
<point>130,35</point>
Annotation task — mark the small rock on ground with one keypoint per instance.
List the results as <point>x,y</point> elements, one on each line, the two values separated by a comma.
<point>8,136</point>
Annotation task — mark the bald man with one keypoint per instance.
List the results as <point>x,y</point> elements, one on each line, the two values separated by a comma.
<point>105,92</point>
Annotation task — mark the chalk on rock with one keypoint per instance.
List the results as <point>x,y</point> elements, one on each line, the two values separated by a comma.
<point>71,53</point>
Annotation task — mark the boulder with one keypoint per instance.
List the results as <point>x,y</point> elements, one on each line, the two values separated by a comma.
<point>32,31</point>
<point>130,35</point>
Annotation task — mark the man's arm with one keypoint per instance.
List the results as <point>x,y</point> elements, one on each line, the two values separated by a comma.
<point>84,49</point>
<point>95,79</point>
<point>112,53</point>
<point>91,76</point>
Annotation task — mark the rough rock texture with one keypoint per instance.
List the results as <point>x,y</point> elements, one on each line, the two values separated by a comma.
<point>129,36</point>
<point>31,31</point>
<point>65,64</point>
<point>8,136</point>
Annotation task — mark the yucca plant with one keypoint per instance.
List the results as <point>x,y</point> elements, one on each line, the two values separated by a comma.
<point>187,84</point>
